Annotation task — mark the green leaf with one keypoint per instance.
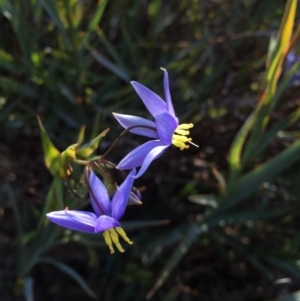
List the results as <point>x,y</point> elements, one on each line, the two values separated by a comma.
<point>9,63</point>
<point>204,199</point>
<point>184,246</point>
<point>284,37</point>
<point>9,85</point>
<point>87,150</point>
<point>96,126</point>
<point>236,148</point>
<point>252,180</point>
<point>95,21</point>
<point>52,157</point>
<point>51,8</point>
<point>252,145</point>
<point>71,273</point>
<point>218,218</point>
<point>81,133</point>
<point>54,200</point>
<point>118,71</point>
<point>69,154</point>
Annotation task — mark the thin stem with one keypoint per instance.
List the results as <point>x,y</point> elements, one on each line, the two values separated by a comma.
<point>105,174</point>
<point>81,162</point>
<point>122,135</point>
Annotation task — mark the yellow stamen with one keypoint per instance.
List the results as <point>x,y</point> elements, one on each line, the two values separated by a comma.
<point>185,126</point>
<point>182,132</point>
<point>180,144</point>
<point>108,241</point>
<point>115,238</point>
<point>123,235</point>
<point>181,139</point>
<point>111,237</point>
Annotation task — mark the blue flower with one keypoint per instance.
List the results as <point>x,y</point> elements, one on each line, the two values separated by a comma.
<point>164,128</point>
<point>107,213</point>
<point>290,60</point>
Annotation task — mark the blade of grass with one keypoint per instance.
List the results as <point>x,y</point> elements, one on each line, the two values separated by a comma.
<point>268,101</point>
<point>70,272</point>
<point>184,246</point>
<point>51,8</point>
<point>118,71</point>
<point>97,16</point>
<point>252,147</point>
<point>252,180</point>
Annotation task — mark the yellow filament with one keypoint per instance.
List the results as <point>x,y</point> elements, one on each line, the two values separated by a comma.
<point>115,238</point>
<point>122,233</point>
<point>108,241</point>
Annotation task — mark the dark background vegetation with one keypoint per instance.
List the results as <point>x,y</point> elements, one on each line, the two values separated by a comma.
<point>71,61</point>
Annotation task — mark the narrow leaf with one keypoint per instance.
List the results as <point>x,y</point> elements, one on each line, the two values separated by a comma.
<point>119,72</point>
<point>70,272</point>
<point>184,246</point>
<point>52,156</point>
<point>87,150</point>
<point>251,181</point>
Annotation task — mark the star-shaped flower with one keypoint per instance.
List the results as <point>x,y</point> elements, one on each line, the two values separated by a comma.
<point>107,213</point>
<point>164,127</point>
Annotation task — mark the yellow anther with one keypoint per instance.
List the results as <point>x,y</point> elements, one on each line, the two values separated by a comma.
<point>180,144</point>
<point>108,241</point>
<point>122,233</point>
<point>115,238</point>
<point>182,132</point>
<point>185,126</point>
<point>181,138</point>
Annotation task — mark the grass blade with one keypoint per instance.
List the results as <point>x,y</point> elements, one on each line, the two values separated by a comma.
<point>70,272</point>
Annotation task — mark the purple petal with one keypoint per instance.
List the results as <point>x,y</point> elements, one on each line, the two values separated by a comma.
<point>166,124</point>
<point>151,100</point>
<point>152,155</point>
<point>76,220</point>
<point>120,198</point>
<point>102,201</point>
<point>105,222</point>
<point>167,92</point>
<point>128,120</point>
<point>137,156</point>
<point>134,197</point>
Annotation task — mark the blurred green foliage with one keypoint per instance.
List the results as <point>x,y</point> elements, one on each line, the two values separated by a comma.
<point>70,62</point>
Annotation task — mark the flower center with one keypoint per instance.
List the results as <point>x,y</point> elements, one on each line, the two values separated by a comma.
<point>181,139</point>
<point>111,236</point>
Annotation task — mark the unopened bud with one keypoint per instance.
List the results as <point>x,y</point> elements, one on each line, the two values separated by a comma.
<point>134,197</point>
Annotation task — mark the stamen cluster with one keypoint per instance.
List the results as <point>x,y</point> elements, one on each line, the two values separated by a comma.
<point>181,139</point>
